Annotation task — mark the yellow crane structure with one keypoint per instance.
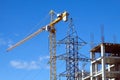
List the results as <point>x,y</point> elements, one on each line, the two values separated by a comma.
<point>52,40</point>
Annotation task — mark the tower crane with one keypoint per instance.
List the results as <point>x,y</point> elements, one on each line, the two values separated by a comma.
<point>52,40</point>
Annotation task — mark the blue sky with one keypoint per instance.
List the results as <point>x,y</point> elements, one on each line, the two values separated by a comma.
<point>18,18</point>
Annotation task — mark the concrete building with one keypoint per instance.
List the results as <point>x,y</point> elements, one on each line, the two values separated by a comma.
<point>105,62</point>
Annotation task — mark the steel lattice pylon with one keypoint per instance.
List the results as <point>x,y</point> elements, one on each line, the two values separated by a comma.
<point>73,43</point>
<point>72,60</point>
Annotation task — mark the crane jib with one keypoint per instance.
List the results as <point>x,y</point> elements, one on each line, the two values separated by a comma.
<point>51,24</point>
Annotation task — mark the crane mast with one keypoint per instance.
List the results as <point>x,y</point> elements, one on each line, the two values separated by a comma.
<point>52,49</point>
<point>52,40</point>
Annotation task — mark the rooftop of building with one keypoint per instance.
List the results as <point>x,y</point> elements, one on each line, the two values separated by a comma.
<point>109,48</point>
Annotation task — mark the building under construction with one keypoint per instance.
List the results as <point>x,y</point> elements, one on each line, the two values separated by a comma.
<point>105,62</point>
